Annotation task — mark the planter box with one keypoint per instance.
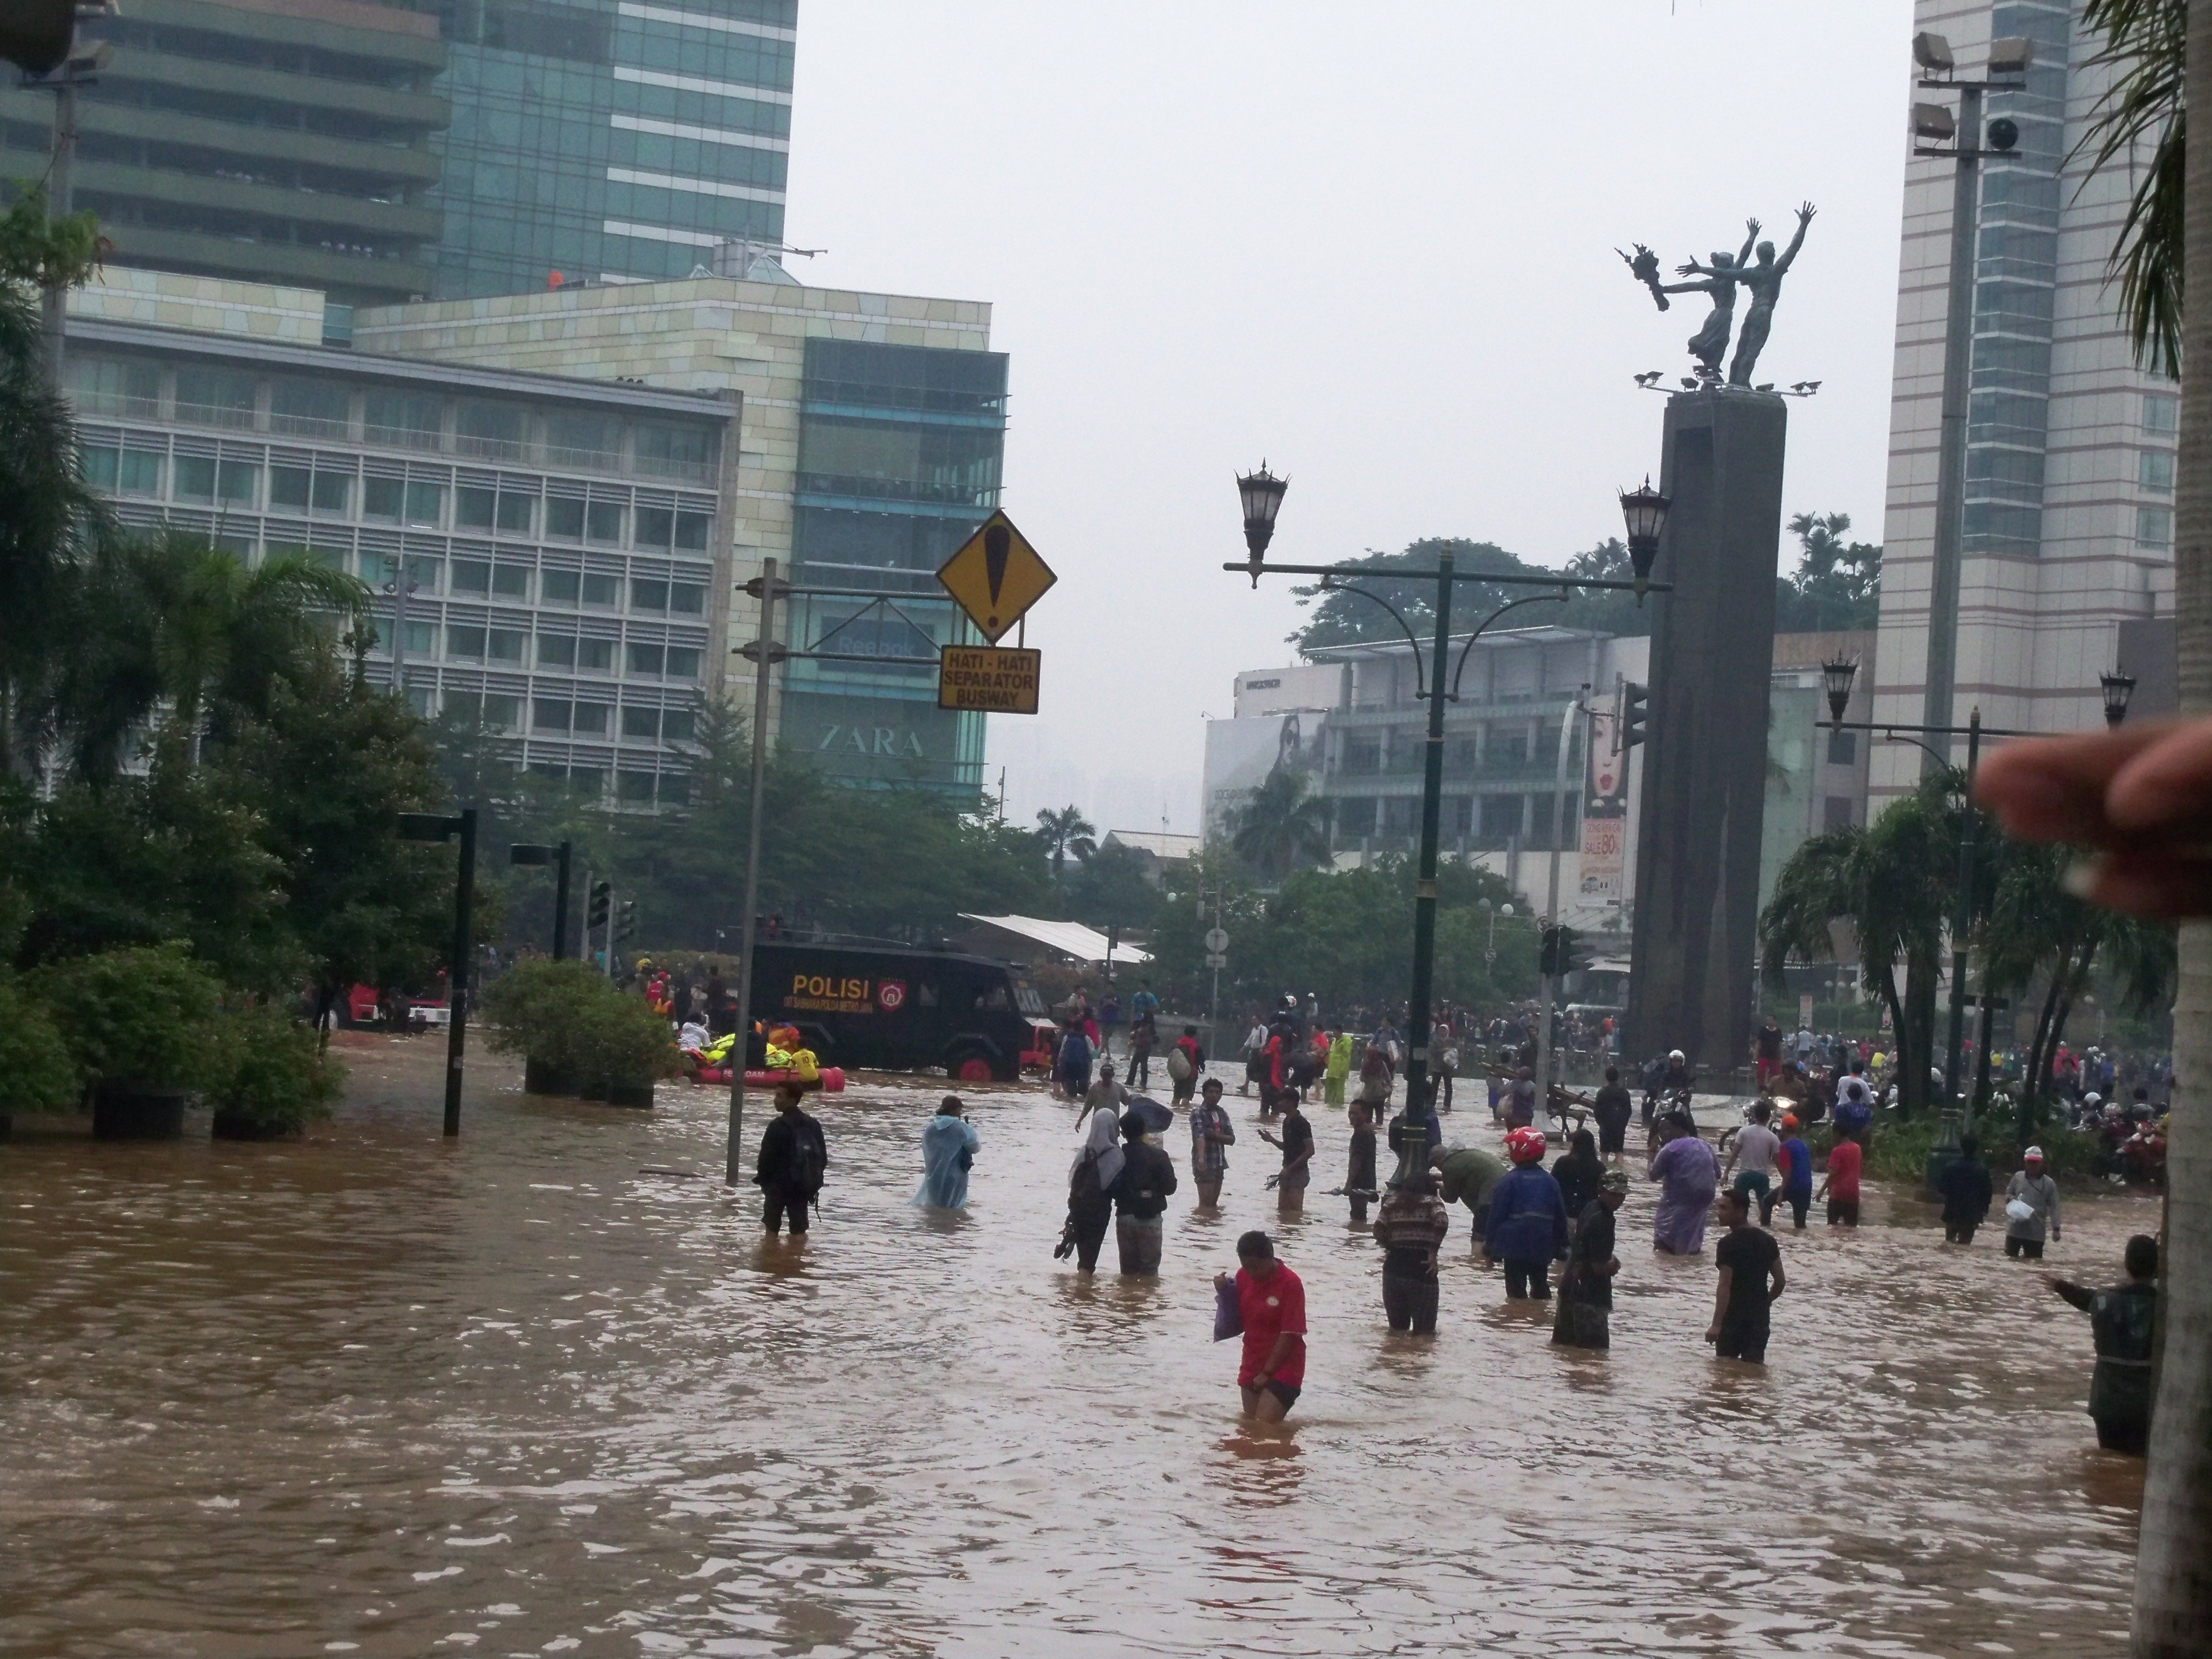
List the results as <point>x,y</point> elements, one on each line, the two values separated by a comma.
<point>123,1111</point>
<point>239,1125</point>
<point>542,1078</point>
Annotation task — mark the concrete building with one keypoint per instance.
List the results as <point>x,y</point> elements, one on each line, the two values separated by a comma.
<point>871,434</point>
<point>2069,519</point>
<point>563,542</point>
<point>607,141</point>
<point>286,141</point>
<point>1348,719</point>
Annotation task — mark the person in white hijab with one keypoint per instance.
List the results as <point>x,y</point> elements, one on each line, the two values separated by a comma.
<point>1089,1183</point>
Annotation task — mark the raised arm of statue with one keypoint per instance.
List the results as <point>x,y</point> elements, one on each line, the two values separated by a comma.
<point>1804,218</point>
<point>1750,241</point>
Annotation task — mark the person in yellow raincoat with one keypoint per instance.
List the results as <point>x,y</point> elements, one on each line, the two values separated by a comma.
<point>1338,1069</point>
<point>785,1050</point>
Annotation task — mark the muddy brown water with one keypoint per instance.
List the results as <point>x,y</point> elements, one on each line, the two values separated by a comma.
<point>380,1394</point>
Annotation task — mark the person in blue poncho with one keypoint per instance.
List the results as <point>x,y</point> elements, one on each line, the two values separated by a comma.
<point>948,1149</point>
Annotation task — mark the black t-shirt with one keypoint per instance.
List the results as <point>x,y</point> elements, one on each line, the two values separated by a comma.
<point>1587,1280</point>
<point>1769,1042</point>
<point>1147,1176</point>
<point>1612,1107</point>
<point>1297,1135</point>
<point>1749,1253</point>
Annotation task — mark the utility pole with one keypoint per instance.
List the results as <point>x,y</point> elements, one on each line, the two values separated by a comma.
<point>765,654</point>
<point>1548,982</point>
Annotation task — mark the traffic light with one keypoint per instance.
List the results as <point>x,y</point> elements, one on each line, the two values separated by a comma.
<point>1634,701</point>
<point>601,892</point>
<point>1555,955</point>
<point>626,923</point>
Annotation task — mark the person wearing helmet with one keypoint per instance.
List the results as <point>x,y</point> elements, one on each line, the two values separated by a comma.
<point>1794,1165</point>
<point>1528,1218</point>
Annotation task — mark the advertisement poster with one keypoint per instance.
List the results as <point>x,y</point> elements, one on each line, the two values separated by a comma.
<point>1605,817</point>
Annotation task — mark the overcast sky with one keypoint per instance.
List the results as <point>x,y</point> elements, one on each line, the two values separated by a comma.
<point>1371,244</point>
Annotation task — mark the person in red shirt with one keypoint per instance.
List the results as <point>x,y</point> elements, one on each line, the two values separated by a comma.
<point>1272,1303</point>
<point>1846,1158</point>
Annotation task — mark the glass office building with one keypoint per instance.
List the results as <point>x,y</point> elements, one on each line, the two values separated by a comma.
<point>899,455</point>
<point>556,537</point>
<point>609,141</point>
<point>258,140</point>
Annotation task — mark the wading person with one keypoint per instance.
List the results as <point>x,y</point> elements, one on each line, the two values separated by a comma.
<point>1470,1175</point>
<point>1359,1166</point>
<point>1212,1135</point>
<point>1578,1171</point>
<point>1272,1303</point>
<point>948,1152</point>
<point>1967,1193</point>
<point>1410,1225</point>
<point>1186,1063</point>
<point>1840,1186</point>
<point>1072,1068</point>
<point>1106,1094</point>
<point>1757,1148</point>
<point>792,1161</point>
<point>1794,1164</point>
<point>1338,1070</point>
<point>1297,1147</point>
<point>2030,1207</point>
<point>1140,1195</point>
<point>1527,1219</point>
<point>2122,1320</point>
<point>1748,1260</point>
<point>1687,1173</point>
<point>1585,1316</point>
<point>1090,1190</point>
<point>1612,1109</point>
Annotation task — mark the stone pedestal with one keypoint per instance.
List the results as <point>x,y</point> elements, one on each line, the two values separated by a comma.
<point>1694,942</point>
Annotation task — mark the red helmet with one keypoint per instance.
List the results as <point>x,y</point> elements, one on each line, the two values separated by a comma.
<point>1526,1144</point>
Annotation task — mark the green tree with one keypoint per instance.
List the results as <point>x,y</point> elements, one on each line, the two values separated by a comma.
<point>1111,889</point>
<point>1837,584</point>
<point>1065,831</point>
<point>2145,48</point>
<point>1281,828</point>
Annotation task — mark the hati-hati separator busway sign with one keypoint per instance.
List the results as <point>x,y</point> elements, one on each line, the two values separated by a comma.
<point>996,576</point>
<point>992,679</point>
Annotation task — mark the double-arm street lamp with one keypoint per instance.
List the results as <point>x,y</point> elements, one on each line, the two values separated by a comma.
<point>1261,492</point>
<point>1836,675</point>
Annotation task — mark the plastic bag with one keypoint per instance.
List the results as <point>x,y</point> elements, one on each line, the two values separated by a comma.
<point>2020,1210</point>
<point>1228,1312</point>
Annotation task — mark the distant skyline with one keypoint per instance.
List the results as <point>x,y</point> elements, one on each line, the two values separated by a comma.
<point>1375,248</point>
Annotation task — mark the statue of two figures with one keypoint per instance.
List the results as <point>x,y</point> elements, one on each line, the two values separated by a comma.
<point>1762,275</point>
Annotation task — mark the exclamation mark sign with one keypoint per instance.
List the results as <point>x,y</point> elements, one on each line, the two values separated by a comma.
<point>996,544</point>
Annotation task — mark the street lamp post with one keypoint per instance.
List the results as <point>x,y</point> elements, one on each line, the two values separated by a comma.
<point>2008,58</point>
<point>558,856</point>
<point>1261,496</point>
<point>429,826</point>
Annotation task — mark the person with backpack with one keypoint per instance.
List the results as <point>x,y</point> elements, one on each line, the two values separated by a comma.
<point>1140,1195</point>
<point>1091,1180</point>
<point>1186,1062</point>
<point>793,1159</point>
<point>1071,1068</point>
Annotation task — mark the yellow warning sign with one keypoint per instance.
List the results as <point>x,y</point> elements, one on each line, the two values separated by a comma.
<point>996,576</point>
<point>995,679</point>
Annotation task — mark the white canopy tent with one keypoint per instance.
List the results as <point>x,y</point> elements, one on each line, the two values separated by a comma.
<point>1070,938</point>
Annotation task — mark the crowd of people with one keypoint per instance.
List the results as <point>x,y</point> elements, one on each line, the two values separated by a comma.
<point>1527,1219</point>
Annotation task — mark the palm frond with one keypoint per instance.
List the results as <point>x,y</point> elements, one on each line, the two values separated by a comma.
<point>2145,44</point>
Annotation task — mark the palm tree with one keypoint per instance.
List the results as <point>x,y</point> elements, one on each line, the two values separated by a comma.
<point>1281,828</point>
<point>2146,47</point>
<point>1895,883</point>
<point>1064,832</point>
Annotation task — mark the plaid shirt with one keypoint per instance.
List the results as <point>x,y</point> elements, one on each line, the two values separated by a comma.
<point>1209,1157</point>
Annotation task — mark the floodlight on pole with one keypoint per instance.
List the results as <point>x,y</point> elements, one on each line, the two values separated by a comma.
<point>2013,55</point>
<point>1932,51</point>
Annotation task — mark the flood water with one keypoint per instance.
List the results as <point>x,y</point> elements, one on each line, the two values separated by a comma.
<point>380,1394</point>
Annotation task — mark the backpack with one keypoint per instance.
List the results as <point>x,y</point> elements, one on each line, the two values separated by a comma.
<point>808,1159</point>
<point>1179,1067</point>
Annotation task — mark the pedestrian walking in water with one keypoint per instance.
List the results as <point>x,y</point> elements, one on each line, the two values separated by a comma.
<point>1520,1102</point>
<point>1272,1303</point>
<point>1967,1193</point>
<point>1410,1225</point>
<point>1578,1171</point>
<point>1585,1316</point>
<point>1212,1135</point>
<point>1297,1147</point>
<point>1470,1175</point>
<point>1338,1070</point>
<point>791,1163</point>
<point>1143,1036</point>
<point>1070,1072</point>
<point>1186,1064</point>
<point>1527,1219</point>
<point>1359,1167</point>
<point>949,1146</point>
<point>1748,1260</point>
<point>1840,1186</point>
<point>1375,1078</point>
<point>1687,1173</point>
<point>1793,1163</point>
<point>1089,1189</point>
<point>1612,1109</point>
<point>1140,1195</point>
<point>1758,1148</point>
<point>2122,1320</point>
<point>1105,1095</point>
<point>2030,1207</point>
<point>1256,1043</point>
